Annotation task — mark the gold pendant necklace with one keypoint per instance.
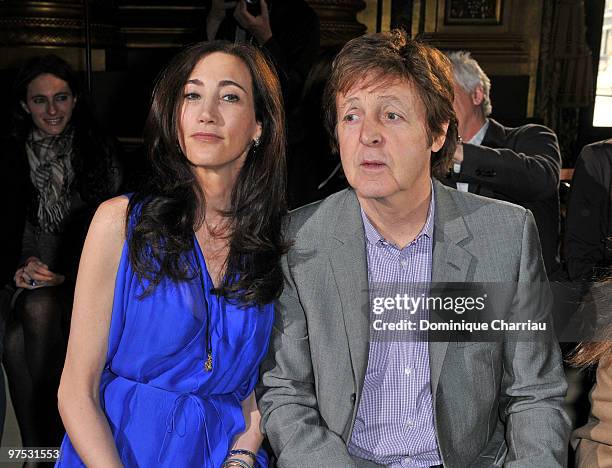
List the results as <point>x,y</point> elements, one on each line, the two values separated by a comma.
<point>208,363</point>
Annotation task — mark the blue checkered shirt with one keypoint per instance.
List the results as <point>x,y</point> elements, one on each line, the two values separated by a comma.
<point>395,422</point>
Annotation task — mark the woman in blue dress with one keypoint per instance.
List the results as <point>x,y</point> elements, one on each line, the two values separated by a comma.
<point>173,303</point>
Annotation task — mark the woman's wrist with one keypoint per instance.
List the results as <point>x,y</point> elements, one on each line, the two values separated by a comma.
<point>242,458</point>
<point>235,462</point>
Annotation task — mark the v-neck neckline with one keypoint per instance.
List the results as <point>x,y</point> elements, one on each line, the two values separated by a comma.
<point>200,253</point>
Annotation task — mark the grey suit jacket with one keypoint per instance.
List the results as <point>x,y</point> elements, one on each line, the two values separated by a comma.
<point>495,403</point>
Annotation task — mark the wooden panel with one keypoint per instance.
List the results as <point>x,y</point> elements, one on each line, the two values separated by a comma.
<point>338,19</point>
<point>510,48</point>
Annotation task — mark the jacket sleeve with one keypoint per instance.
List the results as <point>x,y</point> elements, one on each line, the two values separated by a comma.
<point>533,385</point>
<point>528,169</point>
<point>29,245</point>
<point>286,393</point>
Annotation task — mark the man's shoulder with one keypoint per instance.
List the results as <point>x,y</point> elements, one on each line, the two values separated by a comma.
<point>478,209</point>
<point>596,152</point>
<point>319,216</point>
<point>520,130</point>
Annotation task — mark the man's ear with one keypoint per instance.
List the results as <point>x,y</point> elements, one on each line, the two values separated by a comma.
<point>24,106</point>
<point>477,95</point>
<point>439,140</point>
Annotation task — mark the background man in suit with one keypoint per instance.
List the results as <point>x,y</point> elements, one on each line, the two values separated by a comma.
<point>332,393</point>
<point>588,230</point>
<point>520,165</point>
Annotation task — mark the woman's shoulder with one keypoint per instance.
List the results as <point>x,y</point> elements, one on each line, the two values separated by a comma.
<point>111,215</point>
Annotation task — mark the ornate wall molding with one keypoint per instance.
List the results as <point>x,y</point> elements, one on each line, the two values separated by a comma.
<point>160,26</point>
<point>137,24</point>
<point>56,23</point>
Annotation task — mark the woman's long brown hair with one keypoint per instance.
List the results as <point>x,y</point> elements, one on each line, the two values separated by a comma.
<point>166,212</point>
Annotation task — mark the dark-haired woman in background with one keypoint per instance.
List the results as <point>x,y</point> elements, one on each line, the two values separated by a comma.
<point>173,306</point>
<point>64,169</point>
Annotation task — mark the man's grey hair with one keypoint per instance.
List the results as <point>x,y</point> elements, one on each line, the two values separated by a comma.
<point>468,75</point>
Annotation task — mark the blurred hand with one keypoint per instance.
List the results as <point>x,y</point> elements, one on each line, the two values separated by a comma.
<point>215,17</point>
<point>35,274</point>
<point>258,26</point>
<point>218,8</point>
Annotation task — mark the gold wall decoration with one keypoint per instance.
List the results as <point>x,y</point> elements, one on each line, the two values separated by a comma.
<point>473,12</point>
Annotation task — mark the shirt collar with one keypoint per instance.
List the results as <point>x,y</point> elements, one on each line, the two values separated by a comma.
<point>373,236</point>
<point>477,139</point>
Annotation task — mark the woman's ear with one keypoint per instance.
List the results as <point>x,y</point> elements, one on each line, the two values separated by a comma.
<point>258,131</point>
<point>25,107</point>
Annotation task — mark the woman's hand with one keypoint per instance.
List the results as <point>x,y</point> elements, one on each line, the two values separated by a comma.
<point>35,274</point>
<point>251,438</point>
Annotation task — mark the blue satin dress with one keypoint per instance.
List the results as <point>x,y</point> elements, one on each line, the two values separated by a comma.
<point>164,409</point>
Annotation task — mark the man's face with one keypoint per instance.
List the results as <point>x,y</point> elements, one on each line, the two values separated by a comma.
<point>382,138</point>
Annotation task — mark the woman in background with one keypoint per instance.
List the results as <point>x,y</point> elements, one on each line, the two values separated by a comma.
<point>593,441</point>
<point>173,305</point>
<point>65,168</point>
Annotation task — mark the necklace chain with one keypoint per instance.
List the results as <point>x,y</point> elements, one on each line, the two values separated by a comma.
<point>208,365</point>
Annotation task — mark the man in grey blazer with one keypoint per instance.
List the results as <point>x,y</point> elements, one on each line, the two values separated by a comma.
<point>332,392</point>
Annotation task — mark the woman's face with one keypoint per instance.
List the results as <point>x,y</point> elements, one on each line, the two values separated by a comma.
<point>217,123</point>
<point>50,102</point>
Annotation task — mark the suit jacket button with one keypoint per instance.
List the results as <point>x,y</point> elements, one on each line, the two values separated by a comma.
<point>353,397</point>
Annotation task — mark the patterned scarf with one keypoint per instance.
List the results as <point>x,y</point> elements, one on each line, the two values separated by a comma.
<point>51,173</point>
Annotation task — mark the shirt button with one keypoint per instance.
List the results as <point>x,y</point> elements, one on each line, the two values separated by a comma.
<point>404,262</point>
<point>407,371</point>
<point>409,422</point>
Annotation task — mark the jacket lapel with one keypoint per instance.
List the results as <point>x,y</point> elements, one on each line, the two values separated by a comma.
<point>451,262</point>
<point>349,265</point>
